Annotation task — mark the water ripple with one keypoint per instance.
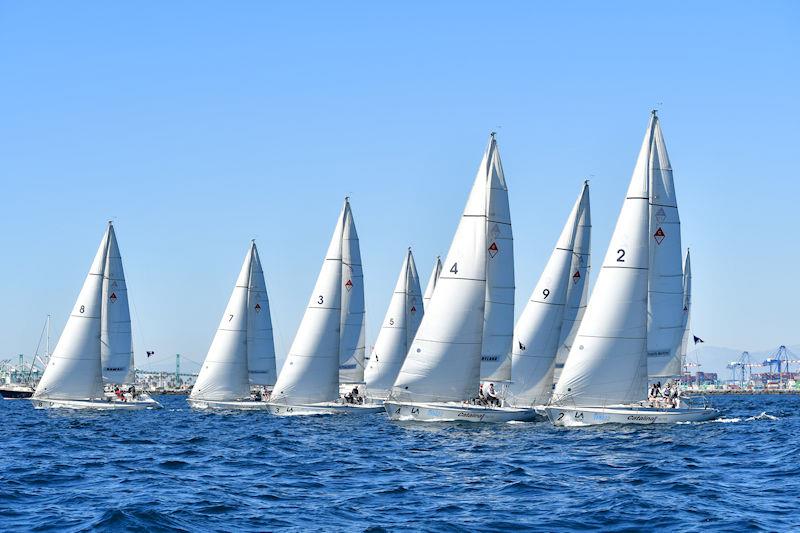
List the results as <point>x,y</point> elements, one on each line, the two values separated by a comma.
<point>180,470</point>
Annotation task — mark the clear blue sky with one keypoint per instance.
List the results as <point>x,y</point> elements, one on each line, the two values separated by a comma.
<point>197,126</point>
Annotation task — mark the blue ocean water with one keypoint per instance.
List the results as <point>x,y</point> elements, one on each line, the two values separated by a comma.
<point>178,469</point>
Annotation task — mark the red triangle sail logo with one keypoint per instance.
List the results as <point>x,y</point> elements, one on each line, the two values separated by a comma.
<point>348,285</point>
<point>493,249</point>
<point>576,277</point>
<point>113,297</point>
<point>659,235</point>
<point>414,309</point>
<point>258,308</point>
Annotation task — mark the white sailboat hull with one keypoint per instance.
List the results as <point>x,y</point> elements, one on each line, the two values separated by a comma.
<point>456,412</point>
<point>232,405</point>
<point>326,408</point>
<point>622,414</point>
<point>96,404</point>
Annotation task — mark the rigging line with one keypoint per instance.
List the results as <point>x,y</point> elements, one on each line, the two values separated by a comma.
<point>36,352</point>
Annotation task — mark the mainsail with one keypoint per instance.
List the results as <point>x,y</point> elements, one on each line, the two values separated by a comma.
<point>73,371</point>
<point>260,342</point>
<point>437,271</point>
<point>399,327</point>
<point>352,345</point>
<point>443,363</point>
<point>679,362</point>
<point>310,373</point>
<point>116,346</point>
<point>498,315</point>
<point>665,294</point>
<point>578,290</point>
<point>538,331</point>
<point>608,361</point>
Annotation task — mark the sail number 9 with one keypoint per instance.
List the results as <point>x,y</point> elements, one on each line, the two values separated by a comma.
<point>546,293</point>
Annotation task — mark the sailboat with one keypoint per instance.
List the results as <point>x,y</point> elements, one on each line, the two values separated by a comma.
<point>308,383</point>
<point>542,323</point>
<point>605,376</point>
<point>95,344</point>
<point>399,327</point>
<point>441,373</point>
<point>242,353</point>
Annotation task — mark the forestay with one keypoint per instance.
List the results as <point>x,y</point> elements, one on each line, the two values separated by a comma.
<point>665,303</point>
<point>538,330</point>
<point>608,361</point>
<point>73,371</point>
<point>443,363</point>
<point>310,373</point>
<point>399,327</point>
<point>116,345</point>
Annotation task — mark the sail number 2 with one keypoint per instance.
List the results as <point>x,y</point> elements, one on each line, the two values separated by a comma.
<point>621,256</point>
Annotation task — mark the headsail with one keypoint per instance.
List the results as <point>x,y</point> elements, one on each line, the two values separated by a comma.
<point>116,345</point>
<point>73,370</point>
<point>399,327</point>
<point>608,361</point>
<point>443,363</point>
<point>537,333</point>
<point>310,373</point>
<point>224,376</point>
<point>437,270</point>
<point>352,346</point>
<point>260,342</point>
<point>498,326</point>
<point>578,290</point>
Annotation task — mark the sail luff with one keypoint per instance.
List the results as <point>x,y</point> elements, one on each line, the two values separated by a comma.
<point>498,327</point>
<point>224,376</point>
<point>310,373</point>
<point>443,363</point>
<point>260,341</point>
<point>73,371</point>
<point>537,333</point>
<point>607,364</point>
